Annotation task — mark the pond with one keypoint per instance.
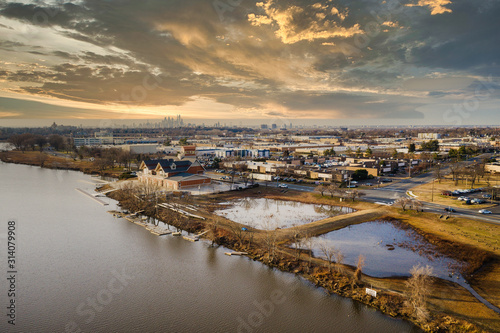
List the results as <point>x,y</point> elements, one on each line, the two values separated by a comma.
<point>389,250</point>
<point>271,214</point>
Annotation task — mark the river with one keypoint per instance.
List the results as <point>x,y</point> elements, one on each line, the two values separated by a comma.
<point>79,269</point>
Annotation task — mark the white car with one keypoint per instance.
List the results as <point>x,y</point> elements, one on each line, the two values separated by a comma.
<point>283,185</point>
<point>484,211</point>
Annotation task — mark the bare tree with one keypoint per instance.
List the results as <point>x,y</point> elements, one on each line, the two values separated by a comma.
<point>359,269</point>
<point>22,141</point>
<point>339,260</point>
<point>102,164</point>
<point>148,189</point>
<point>342,193</point>
<point>332,189</point>
<point>321,189</point>
<point>417,205</point>
<point>455,169</point>
<point>238,232</point>
<point>308,244</point>
<point>417,291</point>
<point>403,203</point>
<point>298,244</point>
<point>42,158</point>
<point>57,141</point>
<point>125,158</point>
<point>213,225</point>
<point>328,252</point>
<point>40,141</point>
<point>438,173</point>
<point>353,194</point>
<point>270,238</point>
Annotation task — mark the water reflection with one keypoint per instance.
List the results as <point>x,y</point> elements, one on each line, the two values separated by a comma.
<point>69,245</point>
<point>389,250</point>
<point>270,214</point>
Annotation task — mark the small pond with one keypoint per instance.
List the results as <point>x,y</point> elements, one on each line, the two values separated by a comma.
<point>389,250</point>
<point>271,214</point>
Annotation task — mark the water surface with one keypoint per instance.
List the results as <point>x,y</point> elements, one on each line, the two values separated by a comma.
<point>388,250</point>
<point>270,214</point>
<point>70,251</point>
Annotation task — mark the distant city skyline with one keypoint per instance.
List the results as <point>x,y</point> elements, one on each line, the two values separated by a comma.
<point>352,62</point>
<point>254,123</point>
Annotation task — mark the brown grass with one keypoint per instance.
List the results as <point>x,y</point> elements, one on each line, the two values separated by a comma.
<point>448,302</point>
<point>424,193</point>
<point>53,162</point>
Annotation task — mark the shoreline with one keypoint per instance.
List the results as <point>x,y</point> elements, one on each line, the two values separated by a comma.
<point>389,301</point>
<point>53,162</point>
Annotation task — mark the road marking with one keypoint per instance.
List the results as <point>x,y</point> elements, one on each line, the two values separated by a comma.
<point>383,203</point>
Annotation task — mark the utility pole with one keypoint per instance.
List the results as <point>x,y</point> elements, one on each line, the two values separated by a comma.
<point>432,195</point>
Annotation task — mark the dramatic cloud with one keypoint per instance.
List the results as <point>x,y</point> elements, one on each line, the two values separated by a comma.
<point>332,59</point>
<point>436,6</point>
<point>316,21</point>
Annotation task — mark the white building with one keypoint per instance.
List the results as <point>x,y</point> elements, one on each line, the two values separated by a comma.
<point>429,136</point>
<point>87,141</point>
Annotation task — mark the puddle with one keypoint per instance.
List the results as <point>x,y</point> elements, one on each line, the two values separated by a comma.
<point>270,214</point>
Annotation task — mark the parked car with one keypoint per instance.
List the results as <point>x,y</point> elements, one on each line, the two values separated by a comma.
<point>352,186</point>
<point>463,198</point>
<point>369,184</point>
<point>487,196</point>
<point>449,209</point>
<point>484,211</point>
<point>478,201</point>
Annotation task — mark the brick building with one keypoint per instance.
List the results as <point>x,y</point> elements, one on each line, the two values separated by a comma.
<point>173,174</point>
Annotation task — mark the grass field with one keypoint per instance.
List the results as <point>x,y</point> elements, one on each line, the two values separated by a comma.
<point>425,193</point>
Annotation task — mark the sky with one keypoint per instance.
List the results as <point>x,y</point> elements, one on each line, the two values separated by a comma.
<point>408,62</point>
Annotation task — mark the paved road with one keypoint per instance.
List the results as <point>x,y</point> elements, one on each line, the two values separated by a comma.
<point>390,193</point>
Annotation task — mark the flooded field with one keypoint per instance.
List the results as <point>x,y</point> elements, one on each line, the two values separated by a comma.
<point>271,214</point>
<point>388,249</point>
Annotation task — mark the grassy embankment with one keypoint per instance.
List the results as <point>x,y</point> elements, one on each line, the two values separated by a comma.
<point>47,160</point>
<point>424,192</point>
<point>453,308</point>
